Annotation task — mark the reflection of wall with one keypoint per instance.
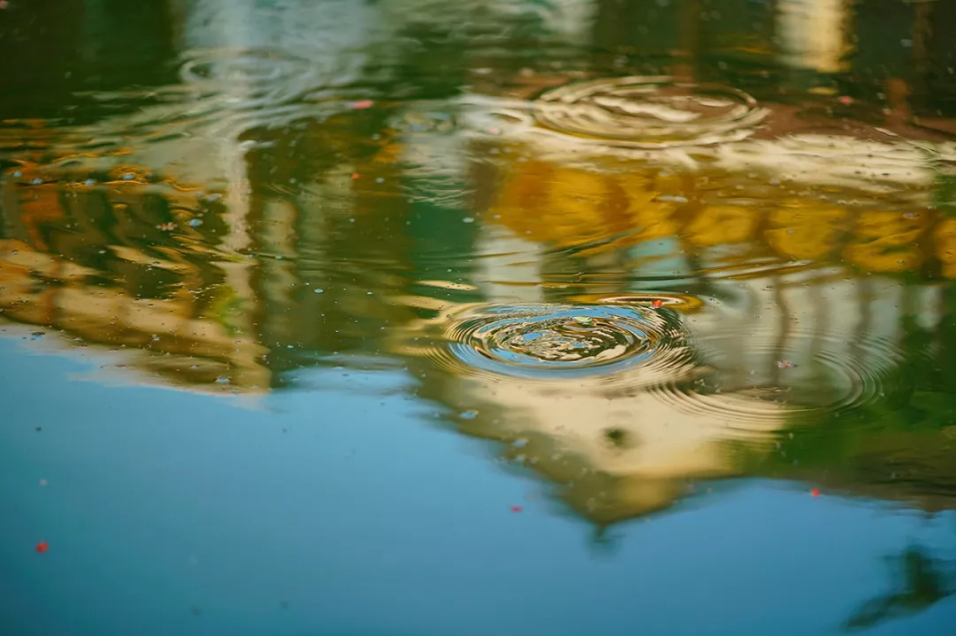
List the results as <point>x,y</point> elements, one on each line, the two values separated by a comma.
<point>99,264</point>
<point>619,452</point>
<point>585,212</point>
<point>628,444</point>
<point>813,34</point>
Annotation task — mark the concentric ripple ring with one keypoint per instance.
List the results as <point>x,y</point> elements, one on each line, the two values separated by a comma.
<point>551,341</point>
<point>648,112</point>
<point>814,378</point>
<point>247,66</point>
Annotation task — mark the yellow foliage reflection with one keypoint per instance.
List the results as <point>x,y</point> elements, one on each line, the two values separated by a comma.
<point>569,206</point>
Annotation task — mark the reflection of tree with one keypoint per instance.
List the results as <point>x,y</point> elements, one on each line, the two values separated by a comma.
<point>920,581</point>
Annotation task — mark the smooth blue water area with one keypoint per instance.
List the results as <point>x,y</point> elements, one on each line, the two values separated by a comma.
<point>168,512</point>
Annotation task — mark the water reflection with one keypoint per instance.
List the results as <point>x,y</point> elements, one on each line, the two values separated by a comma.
<point>643,257</point>
<point>921,579</point>
<point>649,112</point>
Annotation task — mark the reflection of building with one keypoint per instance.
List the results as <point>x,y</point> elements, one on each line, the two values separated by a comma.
<point>822,348</point>
<point>815,35</point>
<point>320,229</point>
<point>585,211</point>
<point>101,263</point>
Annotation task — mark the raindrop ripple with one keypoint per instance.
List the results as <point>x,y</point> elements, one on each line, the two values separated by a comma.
<point>555,341</point>
<point>648,112</point>
<point>228,66</point>
<point>814,378</point>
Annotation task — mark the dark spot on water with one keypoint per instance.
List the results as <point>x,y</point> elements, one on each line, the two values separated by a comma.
<point>616,436</point>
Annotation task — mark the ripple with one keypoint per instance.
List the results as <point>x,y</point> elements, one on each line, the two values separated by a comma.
<point>551,341</point>
<point>810,378</point>
<point>249,66</point>
<point>680,302</point>
<point>648,112</point>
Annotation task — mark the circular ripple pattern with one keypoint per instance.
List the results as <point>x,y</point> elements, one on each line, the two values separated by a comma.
<point>750,385</point>
<point>557,341</point>
<point>649,112</point>
<point>245,66</point>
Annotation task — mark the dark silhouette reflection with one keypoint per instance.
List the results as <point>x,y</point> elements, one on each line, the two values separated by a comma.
<point>57,53</point>
<point>920,580</point>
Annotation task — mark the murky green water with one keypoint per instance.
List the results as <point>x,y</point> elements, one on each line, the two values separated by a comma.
<point>413,317</point>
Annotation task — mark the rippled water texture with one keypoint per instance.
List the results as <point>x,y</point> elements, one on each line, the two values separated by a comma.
<point>553,341</point>
<point>453,290</point>
<point>649,112</point>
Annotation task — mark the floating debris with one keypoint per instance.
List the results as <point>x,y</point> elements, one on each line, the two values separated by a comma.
<point>657,304</point>
<point>468,415</point>
<point>516,508</point>
<point>815,492</point>
<point>785,364</point>
<point>42,547</point>
<point>362,104</point>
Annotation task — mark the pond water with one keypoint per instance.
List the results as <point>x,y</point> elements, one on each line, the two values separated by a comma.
<point>411,317</point>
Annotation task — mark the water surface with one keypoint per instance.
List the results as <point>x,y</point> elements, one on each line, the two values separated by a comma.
<point>549,317</point>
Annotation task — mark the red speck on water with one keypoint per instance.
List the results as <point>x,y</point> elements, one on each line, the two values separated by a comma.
<point>42,547</point>
<point>815,492</point>
<point>361,104</point>
<point>355,175</point>
<point>657,304</point>
<point>846,100</point>
<point>516,508</point>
